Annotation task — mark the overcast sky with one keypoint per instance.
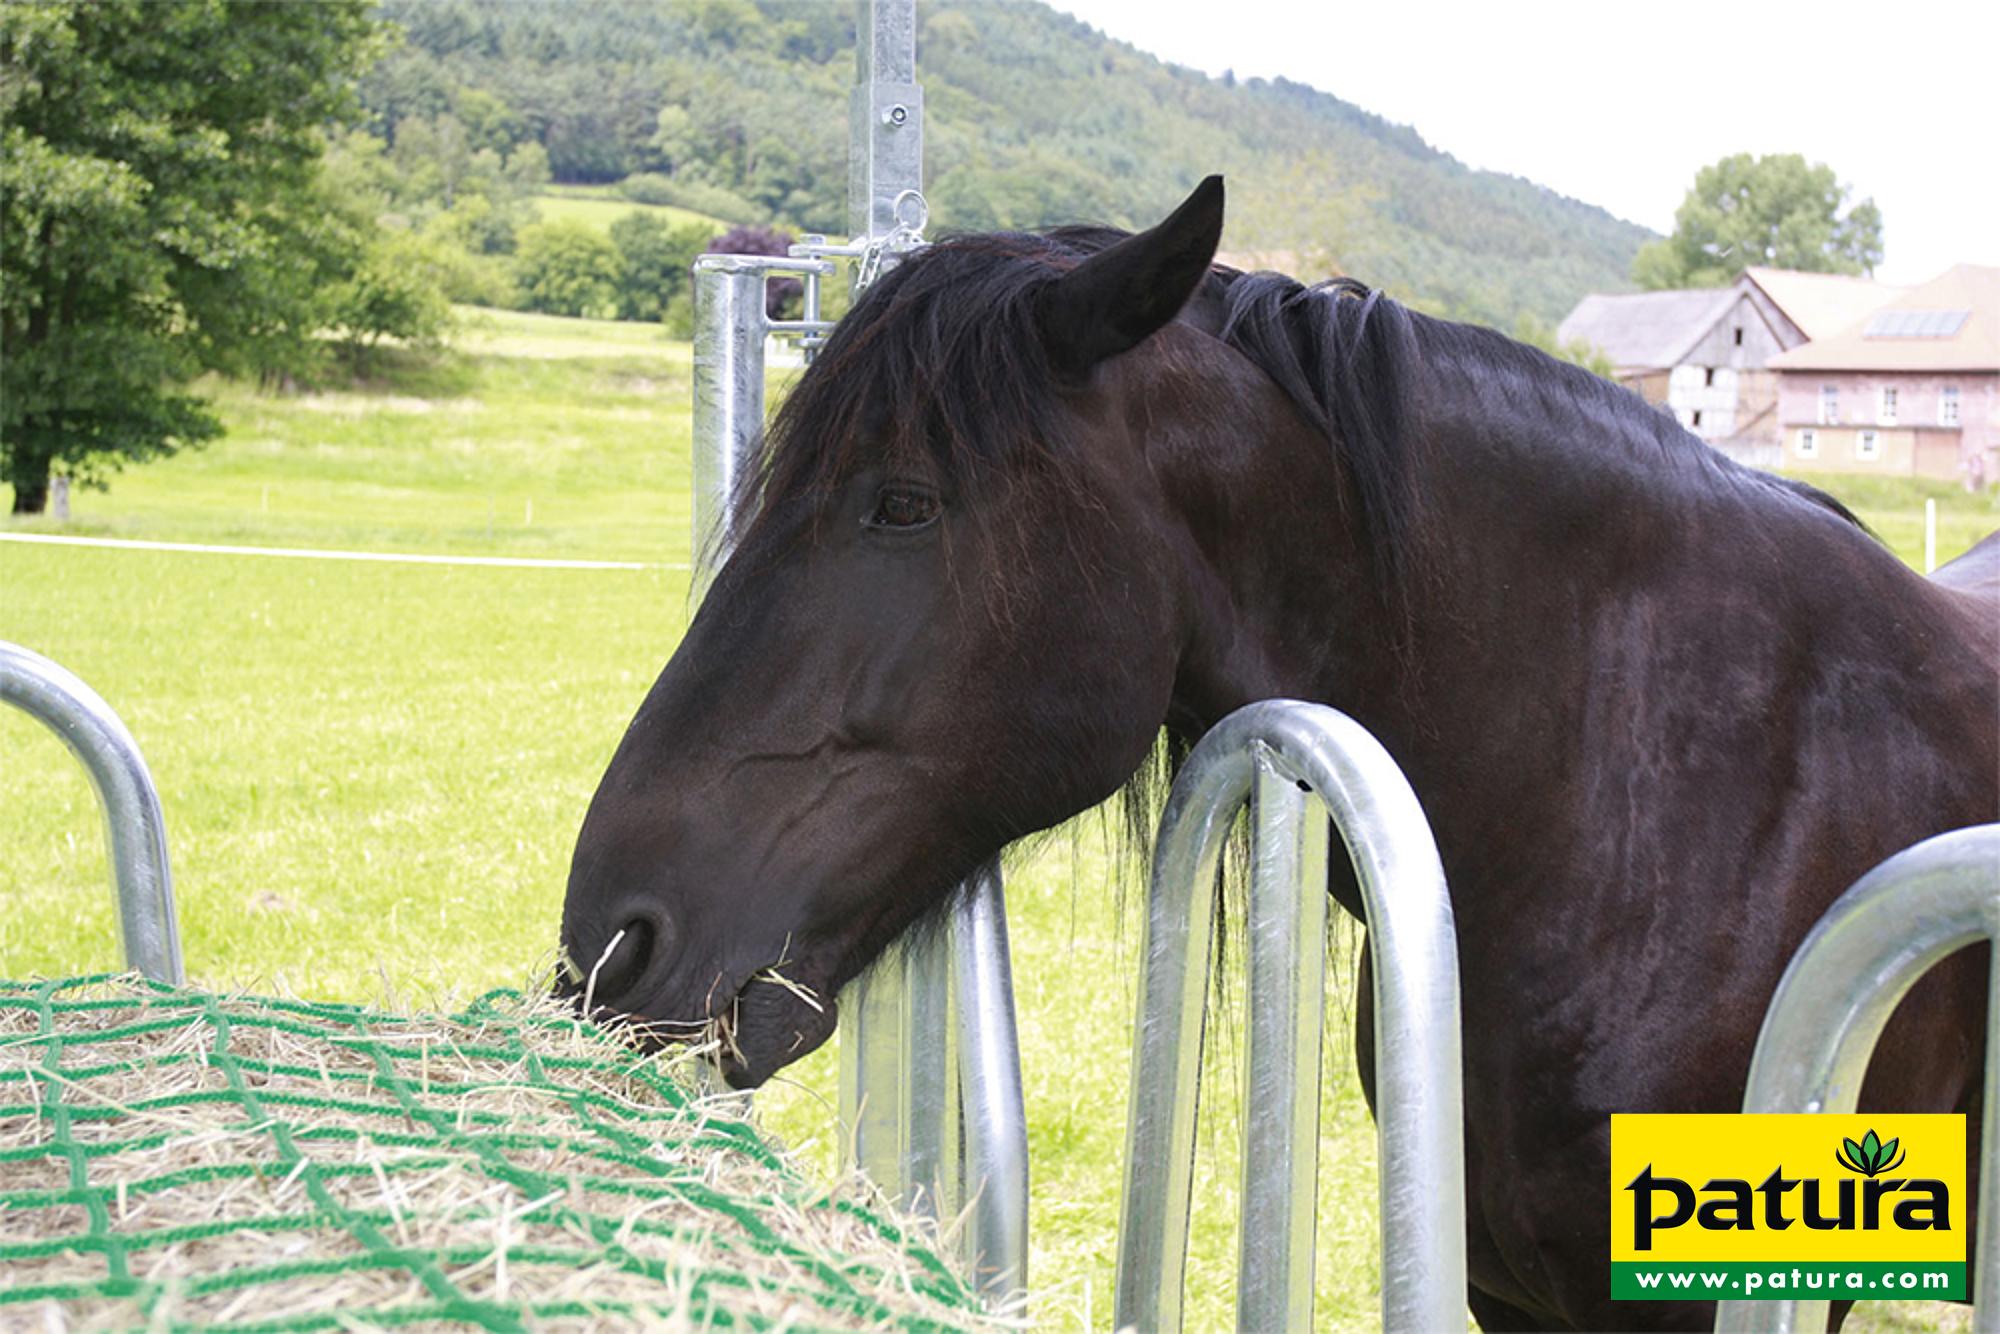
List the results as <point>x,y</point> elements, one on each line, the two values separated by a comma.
<point>1619,104</point>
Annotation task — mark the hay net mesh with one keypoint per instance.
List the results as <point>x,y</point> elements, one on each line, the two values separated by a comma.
<point>173,1158</point>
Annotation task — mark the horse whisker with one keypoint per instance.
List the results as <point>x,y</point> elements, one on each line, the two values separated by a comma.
<point>590,987</point>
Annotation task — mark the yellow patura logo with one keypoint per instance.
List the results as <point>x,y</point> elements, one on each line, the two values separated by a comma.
<point>1727,1207</point>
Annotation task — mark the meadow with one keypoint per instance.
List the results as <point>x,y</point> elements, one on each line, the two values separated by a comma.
<point>373,773</point>
<point>598,206</point>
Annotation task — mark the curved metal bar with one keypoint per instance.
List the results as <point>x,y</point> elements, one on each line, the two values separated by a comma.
<point>995,1116</point>
<point>1832,1003</point>
<point>1418,1070</point>
<point>133,824</point>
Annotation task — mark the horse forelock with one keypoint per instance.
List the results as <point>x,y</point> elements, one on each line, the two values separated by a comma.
<point>942,366</point>
<point>940,369</point>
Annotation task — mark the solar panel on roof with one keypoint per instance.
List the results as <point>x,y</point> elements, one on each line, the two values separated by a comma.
<point>1915,323</point>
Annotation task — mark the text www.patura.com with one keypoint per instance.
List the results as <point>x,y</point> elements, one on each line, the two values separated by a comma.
<point>1815,1282</point>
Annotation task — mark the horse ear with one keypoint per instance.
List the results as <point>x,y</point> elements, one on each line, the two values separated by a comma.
<point>1120,296</point>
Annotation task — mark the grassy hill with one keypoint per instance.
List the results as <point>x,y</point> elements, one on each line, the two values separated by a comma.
<point>1033,118</point>
<point>599,206</point>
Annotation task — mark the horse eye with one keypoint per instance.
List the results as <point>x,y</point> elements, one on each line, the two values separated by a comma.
<point>902,507</point>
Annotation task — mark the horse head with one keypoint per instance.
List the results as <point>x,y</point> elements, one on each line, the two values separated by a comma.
<point>953,619</point>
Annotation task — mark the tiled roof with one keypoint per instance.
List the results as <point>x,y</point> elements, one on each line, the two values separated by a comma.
<point>1973,345</point>
<point>1822,304</point>
<point>1646,330</point>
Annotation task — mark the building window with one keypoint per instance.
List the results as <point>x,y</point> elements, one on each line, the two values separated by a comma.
<point>1697,418</point>
<point>1885,407</point>
<point>1739,336</point>
<point>1867,445</point>
<point>1708,378</point>
<point>1948,405</point>
<point>1829,404</point>
<point>1808,444</point>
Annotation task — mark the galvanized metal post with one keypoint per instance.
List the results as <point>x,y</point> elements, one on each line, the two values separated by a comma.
<point>901,1080</point>
<point>133,824</point>
<point>909,1057</point>
<point>1419,1108</point>
<point>1286,959</point>
<point>885,116</point>
<point>879,1042</point>
<point>1834,1000</point>
<point>728,397</point>
<point>989,1068</point>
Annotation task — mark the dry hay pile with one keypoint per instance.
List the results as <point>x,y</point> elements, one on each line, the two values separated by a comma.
<point>178,1159</point>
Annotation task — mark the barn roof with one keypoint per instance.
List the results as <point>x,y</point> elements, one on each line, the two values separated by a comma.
<point>1951,323</point>
<point>1646,330</point>
<point>1821,304</point>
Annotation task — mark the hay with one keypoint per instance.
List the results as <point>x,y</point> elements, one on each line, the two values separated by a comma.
<point>175,1159</point>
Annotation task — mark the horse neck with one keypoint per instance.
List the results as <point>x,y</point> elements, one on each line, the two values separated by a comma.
<point>1555,529</point>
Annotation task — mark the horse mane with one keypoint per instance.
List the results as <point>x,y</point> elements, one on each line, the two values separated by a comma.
<point>941,366</point>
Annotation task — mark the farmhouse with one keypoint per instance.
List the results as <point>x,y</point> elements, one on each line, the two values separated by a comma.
<point>1703,353</point>
<point>1911,389</point>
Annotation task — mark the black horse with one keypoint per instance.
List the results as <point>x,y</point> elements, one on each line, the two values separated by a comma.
<point>1041,496</point>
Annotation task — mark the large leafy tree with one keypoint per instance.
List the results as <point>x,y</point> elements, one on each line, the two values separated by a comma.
<point>159,214</point>
<point>1778,210</point>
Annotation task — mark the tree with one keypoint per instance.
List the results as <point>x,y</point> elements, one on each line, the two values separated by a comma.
<point>397,291</point>
<point>653,260</point>
<point>157,165</point>
<point>1776,210</point>
<point>566,268</point>
<point>675,139</point>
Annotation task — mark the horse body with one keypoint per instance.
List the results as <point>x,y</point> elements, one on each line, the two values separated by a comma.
<point>1660,715</point>
<point>1660,710</point>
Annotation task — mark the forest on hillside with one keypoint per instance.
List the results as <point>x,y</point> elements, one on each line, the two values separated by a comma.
<point>737,109</point>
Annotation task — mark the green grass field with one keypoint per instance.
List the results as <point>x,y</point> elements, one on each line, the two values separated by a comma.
<point>599,207</point>
<point>373,774</point>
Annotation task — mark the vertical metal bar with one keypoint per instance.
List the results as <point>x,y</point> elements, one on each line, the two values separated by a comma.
<point>728,399</point>
<point>1838,993</point>
<point>134,826</point>
<point>1419,1106</point>
<point>1174,953</point>
<point>1287,992</point>
<point>930,1174</point>
<point>1985,1266</point>
<point>996,1123</point>
<point>885,116</point>
<point>898,1075</point>
<point>871,1077</point>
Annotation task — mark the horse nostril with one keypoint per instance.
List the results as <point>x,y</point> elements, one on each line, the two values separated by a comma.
<point>623,961</point>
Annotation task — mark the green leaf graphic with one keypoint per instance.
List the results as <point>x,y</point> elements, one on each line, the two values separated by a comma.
<point>1855,1158</point>
<point>1889,1152</point>
<point>1871,1150</point>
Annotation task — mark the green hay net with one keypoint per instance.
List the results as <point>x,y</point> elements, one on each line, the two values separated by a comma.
<point>178,1159</point>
